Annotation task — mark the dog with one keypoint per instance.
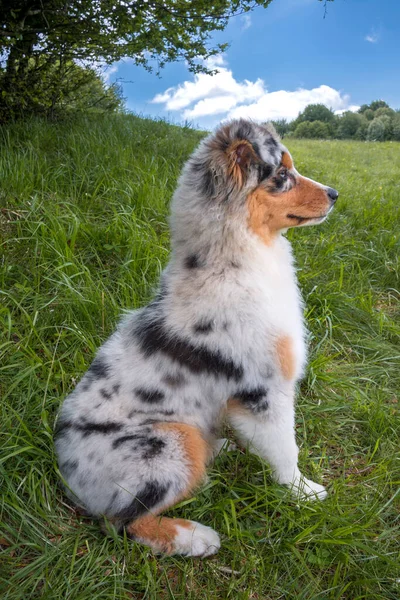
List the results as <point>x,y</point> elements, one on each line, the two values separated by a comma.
<point>223,338</point>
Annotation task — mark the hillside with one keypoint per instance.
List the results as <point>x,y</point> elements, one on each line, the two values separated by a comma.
<point>84,235</point>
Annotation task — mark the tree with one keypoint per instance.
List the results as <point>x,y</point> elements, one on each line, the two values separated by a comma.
<point>282,126</point>
<point>317,112</point>
<point>379,129</point>
<point>373,106</point>
<point>107,30</point>
<point>396,128</point>
<point>312,130</point>
<point>384,111</point>
<point>50,88</point>
<point>368,114</point>
<point>349,123</point>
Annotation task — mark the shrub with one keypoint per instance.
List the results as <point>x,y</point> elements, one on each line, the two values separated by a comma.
<point>313,130</point>
<point>396,128</point>
<point>384,112</point>
<point>349,123</point>
<point>379,129</point>
<point>369,114</point>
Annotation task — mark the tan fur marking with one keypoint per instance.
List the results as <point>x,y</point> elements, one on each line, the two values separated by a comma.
<point>194,446</point>
<point>157,532</point>
<point>259,217</point>
<point>240,155</point>
<point>160,532</point>
<point>287,160</point>
<point>236,407</point>
<point>284,348</point>
<point>268,211</point>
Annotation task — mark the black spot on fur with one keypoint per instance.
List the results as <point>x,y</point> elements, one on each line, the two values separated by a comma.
<point>244,131</point>
<point>154,448</point>
<point>192,261</point>
<point>86,383</point>
<point>152,494</point>
<point>154,337</point>
<point>253,399</point>
<point>62,427</point>
<point>207,186</point>
<point>204,178</point>
<point>105,428</point>
<point>278,183</point>
<point>256,149</point>
<point>126,438</point>
<point>116,388</point>
<point>99,369</point>
<point>113,498</point>
<point>152,396</point>
<point>149,421</point>
<point>161,294</point>
<point>174,381</point>
<point>68,467</point>
<point>106,395</point>
<point>264,171</point>
<point>203,327</point>
<point>271,143</point>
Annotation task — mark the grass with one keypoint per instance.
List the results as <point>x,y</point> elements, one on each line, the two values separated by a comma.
<point>83,208</point>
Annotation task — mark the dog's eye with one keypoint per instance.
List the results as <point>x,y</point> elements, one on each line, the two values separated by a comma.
<point>283,174</point>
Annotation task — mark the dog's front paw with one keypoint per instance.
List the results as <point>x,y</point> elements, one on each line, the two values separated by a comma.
<point>308,490</point>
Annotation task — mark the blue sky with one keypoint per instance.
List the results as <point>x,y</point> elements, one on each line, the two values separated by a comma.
<point>280,59</point>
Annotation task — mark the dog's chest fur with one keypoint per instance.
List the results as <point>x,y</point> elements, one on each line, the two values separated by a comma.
<point>218,329</point>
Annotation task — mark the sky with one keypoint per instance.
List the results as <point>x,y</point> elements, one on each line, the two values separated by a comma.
<point>279,60</point>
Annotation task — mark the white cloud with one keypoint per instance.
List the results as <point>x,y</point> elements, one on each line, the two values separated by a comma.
<point>351,108</point>
<point>246,21</point>
<point>211,88</point>
<point>208,99</point>
<point>372,37</point>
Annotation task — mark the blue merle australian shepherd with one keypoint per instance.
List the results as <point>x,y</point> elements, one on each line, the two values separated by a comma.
<point>224,339</point>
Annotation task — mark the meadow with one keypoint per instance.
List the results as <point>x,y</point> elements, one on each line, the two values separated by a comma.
<point>84,235</point>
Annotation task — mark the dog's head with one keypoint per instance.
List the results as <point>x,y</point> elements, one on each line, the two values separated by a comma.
<point>245,164</point>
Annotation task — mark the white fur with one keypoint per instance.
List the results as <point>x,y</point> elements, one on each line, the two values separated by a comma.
<point>198,540</point>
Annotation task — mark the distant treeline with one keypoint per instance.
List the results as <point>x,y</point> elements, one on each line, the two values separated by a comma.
<point>375,122</point>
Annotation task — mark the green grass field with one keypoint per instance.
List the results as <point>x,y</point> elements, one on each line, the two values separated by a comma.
<point>83,209</point>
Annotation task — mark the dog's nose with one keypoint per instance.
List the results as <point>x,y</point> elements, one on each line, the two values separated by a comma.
<point>333,194</point>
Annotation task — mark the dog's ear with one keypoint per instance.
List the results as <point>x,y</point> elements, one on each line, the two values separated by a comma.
<point>241,156</point>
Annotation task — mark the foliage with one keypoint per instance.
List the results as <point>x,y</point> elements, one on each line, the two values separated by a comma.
<point>379,129</point>
<point>375,105</point>
<point>282,126</point>
<point>54,32</point>
<point>349,124</point>
<point>84,232</point>
<point>373,122</point>
<point>396,127</point>
<point>316,112</point>
<point>368,114</point>
<point>312,130</point>
<point>384,111</point>
<point>50,89</point>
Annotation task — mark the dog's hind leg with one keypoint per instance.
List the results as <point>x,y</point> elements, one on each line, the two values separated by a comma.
<point>183,469</point>
<point>269,431</point>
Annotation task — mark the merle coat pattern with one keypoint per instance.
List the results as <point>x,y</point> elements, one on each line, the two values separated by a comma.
<point>223,339</point>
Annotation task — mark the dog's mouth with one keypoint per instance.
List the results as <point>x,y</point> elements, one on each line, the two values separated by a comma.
<point>303,219</point>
